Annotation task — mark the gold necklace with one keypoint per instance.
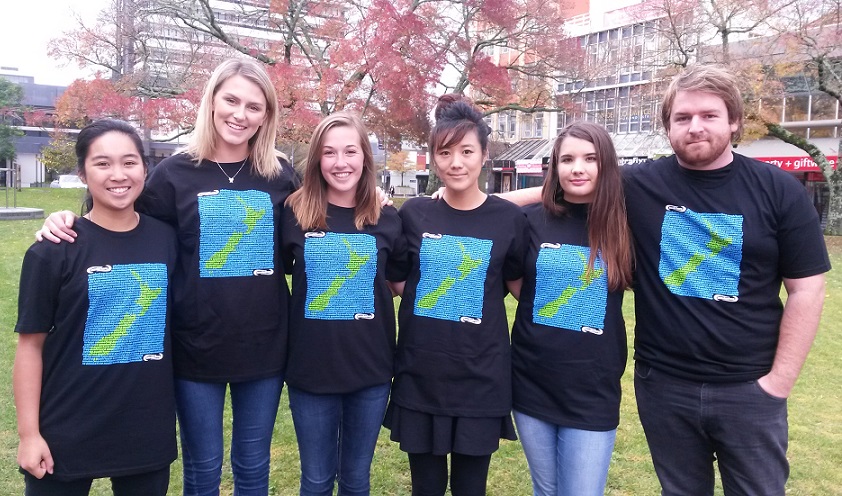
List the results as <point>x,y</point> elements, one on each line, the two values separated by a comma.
<point>231,178</point>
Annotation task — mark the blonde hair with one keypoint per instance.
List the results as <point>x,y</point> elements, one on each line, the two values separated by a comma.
<point>203,139</point>
<point>309,203</point>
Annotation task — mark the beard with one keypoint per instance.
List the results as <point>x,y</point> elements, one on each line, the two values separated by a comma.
<point>702,153</point>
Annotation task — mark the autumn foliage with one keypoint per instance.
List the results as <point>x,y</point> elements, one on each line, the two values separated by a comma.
<point>386,59</point>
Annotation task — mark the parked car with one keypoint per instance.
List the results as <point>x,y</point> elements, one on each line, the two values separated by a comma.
<point>68,181</point>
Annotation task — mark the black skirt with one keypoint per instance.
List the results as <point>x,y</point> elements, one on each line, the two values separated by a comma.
<point>419,432</point>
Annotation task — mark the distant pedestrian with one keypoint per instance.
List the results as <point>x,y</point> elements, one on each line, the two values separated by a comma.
<point>391,191</point>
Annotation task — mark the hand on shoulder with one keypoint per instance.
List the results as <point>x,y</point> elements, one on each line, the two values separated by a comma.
<point>57,228</point>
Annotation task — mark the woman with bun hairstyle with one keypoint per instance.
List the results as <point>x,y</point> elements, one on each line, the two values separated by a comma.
<point>569,339</point>
<point>342,250</point>
<point>224,195</point>
<point>452,389</point>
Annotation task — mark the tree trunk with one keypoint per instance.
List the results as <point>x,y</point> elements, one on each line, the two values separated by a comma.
<point>833,177</point>
<point>433,182</point>
<point>834,209</point>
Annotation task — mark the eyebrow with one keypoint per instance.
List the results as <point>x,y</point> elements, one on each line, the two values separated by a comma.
<point>239,98</point>
<point>704,111</point>
<point>132,155</point>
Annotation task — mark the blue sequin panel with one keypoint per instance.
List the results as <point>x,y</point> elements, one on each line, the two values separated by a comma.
<point>127,314</point>
<point>567,296</point>
<point>340,272</point>
<point>453,272</point>
<point>236,233</point>
<point>701,254</point>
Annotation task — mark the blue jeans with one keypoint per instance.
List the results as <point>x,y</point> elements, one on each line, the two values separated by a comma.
<point>336,435</point>
<point>254,405</point>
<point>690,424</point>
<point>565,461</point>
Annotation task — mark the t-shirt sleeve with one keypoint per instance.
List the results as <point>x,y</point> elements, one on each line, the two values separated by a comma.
<point>397,266</point>
<point>801,246</point>
<point>40,281</point>
<point>288,228</point>
<point>289,171</point>
<point>513,266</point>
<point>158,198</point>
<point>401,273</point>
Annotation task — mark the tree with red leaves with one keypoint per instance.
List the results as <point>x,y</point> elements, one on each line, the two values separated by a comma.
<point>388,60</point>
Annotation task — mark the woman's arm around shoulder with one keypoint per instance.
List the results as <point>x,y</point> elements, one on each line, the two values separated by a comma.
<point>58,227</point>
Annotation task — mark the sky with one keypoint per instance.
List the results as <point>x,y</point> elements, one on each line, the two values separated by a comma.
<point>26,26</point>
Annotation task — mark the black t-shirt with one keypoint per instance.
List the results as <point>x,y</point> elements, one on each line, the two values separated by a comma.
<point>569,339</point>
<point>230,294</point>
<point>453,354</point>
<point>107,406</point>
<point>711,250</point>
<point>342,316</point>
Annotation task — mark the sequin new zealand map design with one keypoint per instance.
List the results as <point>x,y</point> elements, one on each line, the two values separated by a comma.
<point>567,294</point>
<point>453,271</point>
<point>237,233</point>
<point>340,272</point>
<point>126,315</point>
<point>701,254</point>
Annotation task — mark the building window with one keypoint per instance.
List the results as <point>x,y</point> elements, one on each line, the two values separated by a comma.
<point>822,107</point>
<point>512,124</point>
<point>797,108</point>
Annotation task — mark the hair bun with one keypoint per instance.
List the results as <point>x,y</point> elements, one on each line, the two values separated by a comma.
<point>456,107</point>
<point>447,100</point>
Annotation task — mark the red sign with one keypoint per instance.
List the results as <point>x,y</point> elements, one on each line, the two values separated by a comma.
<point>796,164</point>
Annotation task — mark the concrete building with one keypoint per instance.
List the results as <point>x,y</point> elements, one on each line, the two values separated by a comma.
<point>625,97</point>
<point>29,171</point>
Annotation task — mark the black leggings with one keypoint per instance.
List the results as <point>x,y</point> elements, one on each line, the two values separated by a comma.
<point>145,484</point>
<point>468,474</point>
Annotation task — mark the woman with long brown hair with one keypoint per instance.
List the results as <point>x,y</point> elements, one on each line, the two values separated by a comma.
<point>569,340</point>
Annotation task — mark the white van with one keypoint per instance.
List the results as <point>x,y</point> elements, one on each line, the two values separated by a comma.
<point>68,181</point>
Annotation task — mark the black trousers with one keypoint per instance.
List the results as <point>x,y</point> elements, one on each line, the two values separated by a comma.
<point>145,484</point>
<point>468,474</point>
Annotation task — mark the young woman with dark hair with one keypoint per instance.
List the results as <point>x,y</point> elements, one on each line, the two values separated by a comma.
<point>342,250</point>
<point>93,370</point>
<point>452,388</point>
<point>569,340</point>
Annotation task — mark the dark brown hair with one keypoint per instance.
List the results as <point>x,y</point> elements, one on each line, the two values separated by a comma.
<point>608,229</point>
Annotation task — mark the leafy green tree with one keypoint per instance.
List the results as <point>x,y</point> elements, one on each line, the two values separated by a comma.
<point>59,156</point>
<point>11,96</point>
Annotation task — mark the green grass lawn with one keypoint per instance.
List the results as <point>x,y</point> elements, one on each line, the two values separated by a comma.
<point>815,421</point>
